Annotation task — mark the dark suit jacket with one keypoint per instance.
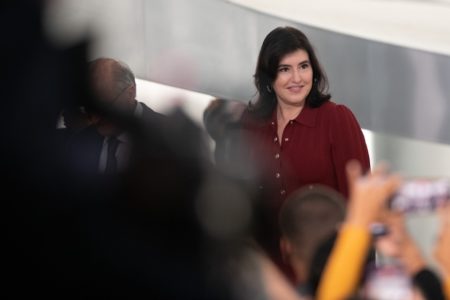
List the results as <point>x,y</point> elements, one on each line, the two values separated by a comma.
<point>149,113</point>
<point>83,152</point>
<point>84,148</point>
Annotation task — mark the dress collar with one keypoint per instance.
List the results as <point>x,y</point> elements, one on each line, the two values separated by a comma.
<point>306,117</point>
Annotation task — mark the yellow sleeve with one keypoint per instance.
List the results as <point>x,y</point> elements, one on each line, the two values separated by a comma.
<point>447,287</point>
<point>343,270</point>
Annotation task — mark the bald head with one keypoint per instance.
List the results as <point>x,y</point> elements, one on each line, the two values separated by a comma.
<point>114,86</point>
<point>111,78</point>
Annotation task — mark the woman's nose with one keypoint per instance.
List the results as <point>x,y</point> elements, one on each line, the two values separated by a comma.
<point>296,77</point>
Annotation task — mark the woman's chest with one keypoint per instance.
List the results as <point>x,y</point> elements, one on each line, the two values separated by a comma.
<point>299,151</point>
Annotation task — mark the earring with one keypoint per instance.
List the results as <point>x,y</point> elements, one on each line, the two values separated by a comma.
<point>268,88</point>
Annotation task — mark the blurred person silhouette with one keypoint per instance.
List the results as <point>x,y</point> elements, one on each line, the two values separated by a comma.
<point>221,120</point>
<point>104,147</point>
<point>43,253</point>
<point>210,213</point>
<point>114,85</point>
<point>308,218</point>
<point>343,271</point>
<point>73,120</point>
<point>368,198</point>
<point>71,238</point>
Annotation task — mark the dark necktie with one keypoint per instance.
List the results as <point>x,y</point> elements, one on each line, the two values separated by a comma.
<point>111,162</point>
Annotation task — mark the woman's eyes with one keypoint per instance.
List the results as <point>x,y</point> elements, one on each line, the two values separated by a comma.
<point>304,66</point>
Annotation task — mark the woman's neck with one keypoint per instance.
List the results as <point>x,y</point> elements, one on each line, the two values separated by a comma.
<point>286,113</point>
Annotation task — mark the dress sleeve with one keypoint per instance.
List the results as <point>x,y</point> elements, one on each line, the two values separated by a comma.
<point>348,143</point>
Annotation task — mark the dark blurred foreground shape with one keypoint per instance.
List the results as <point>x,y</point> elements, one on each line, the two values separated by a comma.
<point>222,122</point>
<point>138,235</point>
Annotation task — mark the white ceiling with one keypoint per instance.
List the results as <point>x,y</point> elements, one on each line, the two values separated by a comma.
<point>419,24</point>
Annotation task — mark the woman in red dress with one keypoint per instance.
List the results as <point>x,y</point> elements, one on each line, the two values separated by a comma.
<point>297,135</point>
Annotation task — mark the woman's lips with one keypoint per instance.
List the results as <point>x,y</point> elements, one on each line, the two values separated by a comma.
<point>295,88</point>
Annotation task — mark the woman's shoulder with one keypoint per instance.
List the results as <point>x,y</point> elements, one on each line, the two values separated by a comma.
<point>333,108</point>
<point>339,116</point>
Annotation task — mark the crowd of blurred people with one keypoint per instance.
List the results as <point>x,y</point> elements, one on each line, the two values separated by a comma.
<point>124,202</point>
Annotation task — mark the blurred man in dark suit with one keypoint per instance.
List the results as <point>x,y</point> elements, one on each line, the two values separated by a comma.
<point>104,147</point>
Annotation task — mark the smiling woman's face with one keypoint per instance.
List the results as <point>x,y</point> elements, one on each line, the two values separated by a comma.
<point>294,79</point>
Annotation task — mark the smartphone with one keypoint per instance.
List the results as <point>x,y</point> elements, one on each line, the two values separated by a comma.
<point>388,282</point>
<point>421,195</point>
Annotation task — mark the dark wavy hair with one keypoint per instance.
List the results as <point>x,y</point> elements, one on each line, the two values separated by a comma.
<point>278,43</point>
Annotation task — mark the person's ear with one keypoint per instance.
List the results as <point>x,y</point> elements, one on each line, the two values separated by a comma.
<point>131,92</point>
<point>285,249</point>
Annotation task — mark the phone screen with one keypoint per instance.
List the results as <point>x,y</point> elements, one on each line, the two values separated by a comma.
<point>388,282</point>
<point>421,195</point>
